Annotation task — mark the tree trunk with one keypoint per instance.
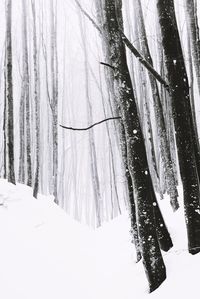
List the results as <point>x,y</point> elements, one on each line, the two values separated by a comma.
<point>179,90</point>
<point>25,127</point>
<point>27,98</point>
<point>54,99</point>
<point>158,110</point>
<point>37,104</point>
<point>144,195</point>
<point>9,93</point>
<point>145,118</point>
<point>4,123</point>
<point>122,138</point>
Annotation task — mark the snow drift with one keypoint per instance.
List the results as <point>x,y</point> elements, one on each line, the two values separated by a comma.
<point>45,254</point>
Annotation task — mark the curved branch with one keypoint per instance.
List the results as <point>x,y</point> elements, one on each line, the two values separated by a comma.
<point>91,126</point>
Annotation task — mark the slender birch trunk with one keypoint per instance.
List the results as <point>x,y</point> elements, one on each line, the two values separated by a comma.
<point>25,117</point>
<point>54,99</point>
<point>37,104</point>
<point>9,96</point>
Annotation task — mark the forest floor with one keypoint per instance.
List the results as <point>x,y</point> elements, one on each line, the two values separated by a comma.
<point>44,254</point>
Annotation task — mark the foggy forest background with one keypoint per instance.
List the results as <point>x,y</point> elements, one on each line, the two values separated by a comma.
<point>131,69</point>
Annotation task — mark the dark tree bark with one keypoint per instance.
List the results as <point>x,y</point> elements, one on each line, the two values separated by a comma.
<point>26,81</point>
<point>4,123</point>
<point>24,124</point>
<point>9,95</point>
<point>182,115</point>
<point>144,195</point>
<point>164,145</point>
<point>143,106</point>
<point>194,52</point>
<point>143,102</point>
<point>120,131</point>
<point>191,83</point>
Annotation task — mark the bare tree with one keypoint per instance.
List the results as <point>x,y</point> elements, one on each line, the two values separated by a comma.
<point>180,98</point>
<point>54,95</point>
<point>9,96</point>
<point>194,53</point>
<point>160,121</point>
<point>25,125</point>
<point>37,102</point>
<point>144,195</point>
<point>119,131</point>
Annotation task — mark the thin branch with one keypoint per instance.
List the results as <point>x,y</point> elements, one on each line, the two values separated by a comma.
<point>129,45</point>
<point>146,64</point>
<point>91,126</point>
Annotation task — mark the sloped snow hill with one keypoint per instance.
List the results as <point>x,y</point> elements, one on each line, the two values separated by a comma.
<point>44,254</point>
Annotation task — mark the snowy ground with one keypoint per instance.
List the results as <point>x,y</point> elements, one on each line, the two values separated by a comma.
<point>44,254</point>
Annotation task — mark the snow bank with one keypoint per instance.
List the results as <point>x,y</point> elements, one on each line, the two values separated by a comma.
<point>43,253</point>
<point>46,255</point>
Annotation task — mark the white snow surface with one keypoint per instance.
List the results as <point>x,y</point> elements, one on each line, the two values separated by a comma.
<point>44,254</point>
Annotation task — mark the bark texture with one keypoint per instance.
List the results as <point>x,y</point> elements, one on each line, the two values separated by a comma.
<point>186,145</point>
<point>9,96</point>
<point>144,195</point>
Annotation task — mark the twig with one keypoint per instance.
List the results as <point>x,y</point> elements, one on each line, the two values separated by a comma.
<point>106,64</point>
<point>91,126</point>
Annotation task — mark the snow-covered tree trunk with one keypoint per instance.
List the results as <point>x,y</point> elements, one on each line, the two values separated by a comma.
<point>194,54</point>
<point>179,90</point>
<point>144,195</point>
<point>120,130</point>
<point>145,114</point>
<point>164,145</point>
<point>4,123</point>
<point>9,96</point>
<point>191,85</point>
